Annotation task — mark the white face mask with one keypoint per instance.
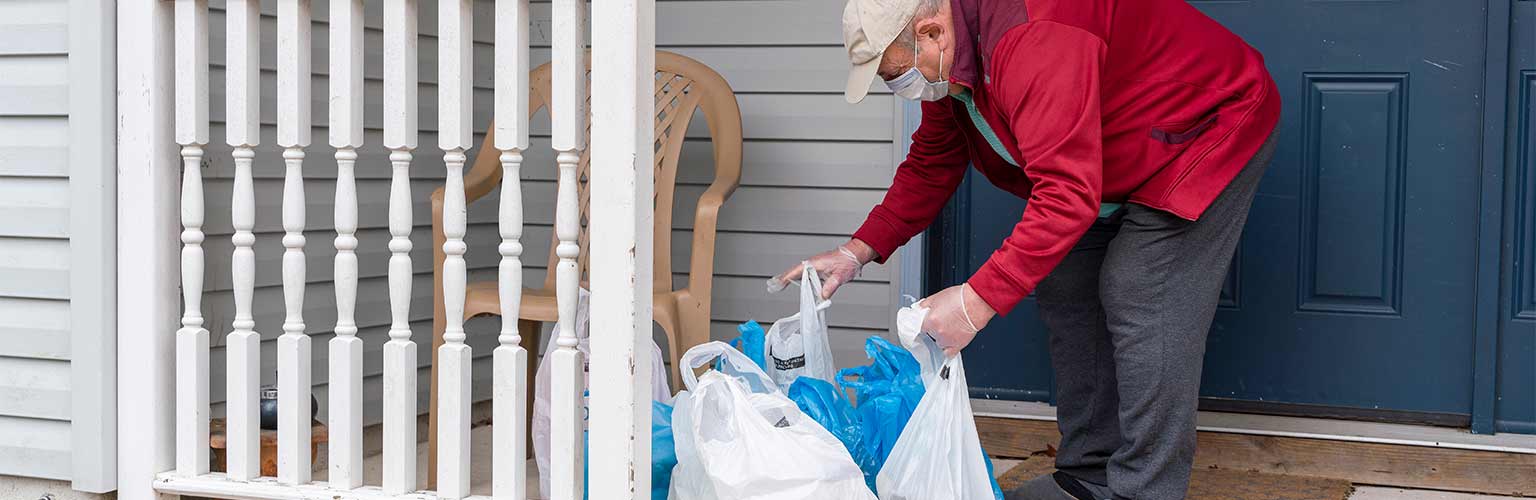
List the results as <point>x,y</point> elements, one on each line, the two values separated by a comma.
<point>913,85</point>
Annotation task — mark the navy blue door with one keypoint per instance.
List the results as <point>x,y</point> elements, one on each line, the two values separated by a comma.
<point>1514,401</point>
<point>1355,283</point>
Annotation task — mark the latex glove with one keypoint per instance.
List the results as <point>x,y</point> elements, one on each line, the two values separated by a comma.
<point>955,315</point>
<point>835,267</point>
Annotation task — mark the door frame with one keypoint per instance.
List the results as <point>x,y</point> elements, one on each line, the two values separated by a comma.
<point>1499,82</point>
<point>912,260</point>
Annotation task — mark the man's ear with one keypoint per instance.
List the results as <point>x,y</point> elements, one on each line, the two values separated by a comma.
<point>930,28</point>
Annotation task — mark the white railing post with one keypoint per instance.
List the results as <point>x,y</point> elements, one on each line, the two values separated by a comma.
<point>455,136</point>
<point>243,344</point>
<point>346,350</point>
<point>293,349</point>
<point>509,478</point>
<point>621,244</point>
<point>400,351</point>
<point>567,114</point>
<point>192,338</point>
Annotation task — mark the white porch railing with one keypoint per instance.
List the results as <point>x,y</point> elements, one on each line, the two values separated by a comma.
<point>623,45</point>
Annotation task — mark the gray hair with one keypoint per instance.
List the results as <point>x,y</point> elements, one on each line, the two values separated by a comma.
<point>925,9</point>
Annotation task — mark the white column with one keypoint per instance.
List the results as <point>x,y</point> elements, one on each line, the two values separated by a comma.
<point>623,177</point>
<point>242,84</point>
<point>455,136</point>
<point>293,349</point>
<point>400,351</point>
<point>567,113</point>
<point>148,171</point>
<point>346,350</point>
<point>192,338</point>
<point>509,477</point>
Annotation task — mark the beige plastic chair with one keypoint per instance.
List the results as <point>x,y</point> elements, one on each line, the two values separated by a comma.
<point>682,86</point>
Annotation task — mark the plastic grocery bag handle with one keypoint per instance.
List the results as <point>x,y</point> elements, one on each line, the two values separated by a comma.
<point>810,297</point>
<point>822,306</point>
<point>909,326</point>
<point>735,364</point>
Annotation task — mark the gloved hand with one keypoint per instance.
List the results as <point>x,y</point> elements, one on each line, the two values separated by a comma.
<point>835,267</point>
<point>955,315</point>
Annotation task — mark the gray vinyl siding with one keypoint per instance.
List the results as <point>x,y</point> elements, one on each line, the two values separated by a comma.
<point>56,243</point>
<point>814,165</point>
<point>34,239</point>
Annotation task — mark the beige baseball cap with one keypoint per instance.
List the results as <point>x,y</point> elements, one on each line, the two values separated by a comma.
<point>869,26</point>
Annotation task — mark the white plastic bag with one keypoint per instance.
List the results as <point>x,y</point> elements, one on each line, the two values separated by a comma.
<point>938,454</point>
<point>541,392</point>
<point>797,345</point>
<point>739,438</point>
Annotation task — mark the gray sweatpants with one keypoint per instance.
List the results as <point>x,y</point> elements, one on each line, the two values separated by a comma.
<point>1128,311</point>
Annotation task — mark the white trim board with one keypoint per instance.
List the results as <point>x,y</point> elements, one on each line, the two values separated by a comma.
<point>908,280</point>
<point>147,179</point>
<point>93,244</point>
<point>1302,427</point>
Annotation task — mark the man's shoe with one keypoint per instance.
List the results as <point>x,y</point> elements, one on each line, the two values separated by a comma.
<point>1043,487</point>
<point>1057,486</point>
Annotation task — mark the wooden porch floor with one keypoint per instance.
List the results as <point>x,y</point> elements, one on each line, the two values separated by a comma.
<point>481,475</point>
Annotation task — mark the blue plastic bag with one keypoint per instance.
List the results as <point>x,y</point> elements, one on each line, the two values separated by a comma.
<point>885,394</point>
<point>750,343</point>
<point>881,420</point>
<point>663,453</point>
<point>664,450</point>
<point>829,407</point>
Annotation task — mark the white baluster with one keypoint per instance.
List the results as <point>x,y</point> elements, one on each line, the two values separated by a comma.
<point>400,351</point>
<point>567,115</point>
<point>293,346</point>
<point>243,344</point>
<point>620,248</point>
<point>509,478</point>
<point>192,134</point>
<point>455,136</point>
<point>346,134</point>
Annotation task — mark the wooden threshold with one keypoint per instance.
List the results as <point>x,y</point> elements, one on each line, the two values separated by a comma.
<point>1399,465</point>
<point>1416,418</point>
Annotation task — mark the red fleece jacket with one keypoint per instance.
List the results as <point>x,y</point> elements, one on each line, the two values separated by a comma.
<point>1141,101</point>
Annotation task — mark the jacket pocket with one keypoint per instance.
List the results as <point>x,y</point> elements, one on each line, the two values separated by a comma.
<point>1182,132</point>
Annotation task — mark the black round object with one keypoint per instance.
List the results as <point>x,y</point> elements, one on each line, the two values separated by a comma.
<point>268,407</point>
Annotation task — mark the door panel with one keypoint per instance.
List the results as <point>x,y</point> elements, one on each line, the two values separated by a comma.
<point>1351,193</point>
<point>1354,282</point>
